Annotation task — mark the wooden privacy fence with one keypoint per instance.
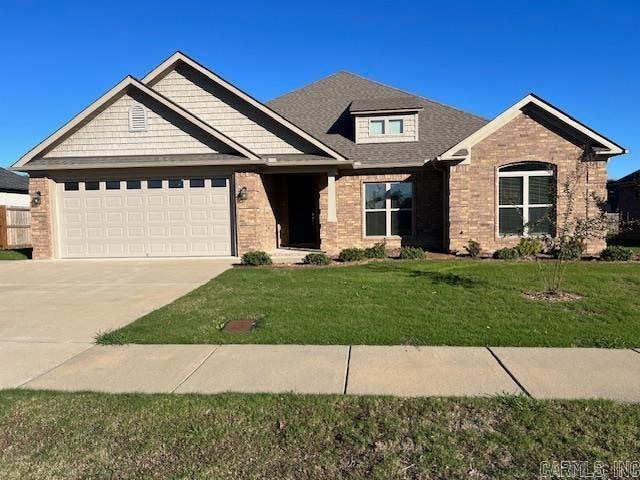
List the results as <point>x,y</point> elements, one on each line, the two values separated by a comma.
<point>15,227</point>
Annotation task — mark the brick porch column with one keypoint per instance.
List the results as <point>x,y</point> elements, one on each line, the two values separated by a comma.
<point>255,220</point>
<point>41,219</point>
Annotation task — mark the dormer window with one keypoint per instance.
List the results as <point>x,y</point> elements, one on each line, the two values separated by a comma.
<point>380,120</point>
<point>137,118</point>
<point>387,126</point>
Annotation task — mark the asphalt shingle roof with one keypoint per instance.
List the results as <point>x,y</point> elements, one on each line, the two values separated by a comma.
<point>391,103</point>
<point>13,182</point>
<point>323,110</point>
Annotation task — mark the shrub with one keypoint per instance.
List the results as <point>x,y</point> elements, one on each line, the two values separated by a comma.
<point>506,254</point>
<point>411,253</point>
<point>529,247</point>
<point>256,257</point>
<point>379,250</point>
<point>351,255</point>
<point>571,249</point>
<point>316,259</point>
<point>473,248</point>
<point>616,252</point>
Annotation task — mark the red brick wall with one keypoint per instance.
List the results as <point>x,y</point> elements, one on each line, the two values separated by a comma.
<point>473,187</point>
<point>255,218</point>
<point>348,230</point>
<point>41,219</point>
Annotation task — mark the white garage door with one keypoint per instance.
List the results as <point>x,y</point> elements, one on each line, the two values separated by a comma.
<point>155,217</point>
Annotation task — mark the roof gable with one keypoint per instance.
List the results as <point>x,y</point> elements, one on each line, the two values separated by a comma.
<point>532,104</point>
<point>220,103</point>
<point>323,109</point>
<point>130,87</point>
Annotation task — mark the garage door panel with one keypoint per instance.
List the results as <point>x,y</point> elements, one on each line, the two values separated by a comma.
<point>144,222</point>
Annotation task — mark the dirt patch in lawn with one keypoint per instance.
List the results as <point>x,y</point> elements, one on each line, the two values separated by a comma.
<point>553,297</point>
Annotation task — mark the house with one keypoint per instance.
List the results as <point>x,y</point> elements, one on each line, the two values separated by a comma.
<point>183,163</point>
<point>623,197</point>
<point>14,189</point>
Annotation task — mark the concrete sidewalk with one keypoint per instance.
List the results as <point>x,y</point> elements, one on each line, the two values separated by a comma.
<point>567,373</point>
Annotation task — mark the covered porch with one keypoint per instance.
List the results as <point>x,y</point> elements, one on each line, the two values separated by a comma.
<point>284,211</point>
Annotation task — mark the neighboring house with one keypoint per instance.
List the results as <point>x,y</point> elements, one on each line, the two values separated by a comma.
<point>14,189</point>
<point>183,163</point>
<point>624,198</point>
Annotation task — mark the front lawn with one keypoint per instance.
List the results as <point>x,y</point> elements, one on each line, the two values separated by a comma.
<point>85,435</point>
<point>23,254</point>
<point>453,302</point>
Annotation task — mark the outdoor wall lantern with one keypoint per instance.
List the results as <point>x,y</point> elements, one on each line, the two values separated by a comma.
<point>242,194</point>
<point>36,199</point>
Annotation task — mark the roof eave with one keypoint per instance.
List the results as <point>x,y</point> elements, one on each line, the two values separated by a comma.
<point>177,57</point>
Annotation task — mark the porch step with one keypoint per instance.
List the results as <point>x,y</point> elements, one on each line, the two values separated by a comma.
<point>290,256</point>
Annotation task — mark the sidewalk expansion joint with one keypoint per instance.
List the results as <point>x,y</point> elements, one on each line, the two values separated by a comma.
<point>513,377</point>
<point>42,374</point>
<point>195,369</point>
<point>346,373</point>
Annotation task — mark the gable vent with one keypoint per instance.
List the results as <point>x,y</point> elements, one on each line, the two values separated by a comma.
<point>137,118</point>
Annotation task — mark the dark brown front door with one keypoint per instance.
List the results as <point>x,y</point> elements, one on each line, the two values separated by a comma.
<point>303,211</point>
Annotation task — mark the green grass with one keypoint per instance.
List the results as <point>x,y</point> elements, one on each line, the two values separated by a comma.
<point>626,242</point>
<point>455,302</point>
<point>46,435</point>
<point>23,254</point>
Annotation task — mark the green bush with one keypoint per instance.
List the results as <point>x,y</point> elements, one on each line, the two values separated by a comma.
<point>256,257</point>
<point>616,253</point>
<point>411,253</point>
<point>316,259</point>
<point>571,249</point>
<point>529,247</point>
<point>473,248</point>
<point>351,255</point>
<point>506,254</point>
<point>379,250</point>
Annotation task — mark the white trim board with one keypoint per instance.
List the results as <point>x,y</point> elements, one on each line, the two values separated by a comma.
<point>120,88</point>
<point>511,113</point>
<point>170,63</point>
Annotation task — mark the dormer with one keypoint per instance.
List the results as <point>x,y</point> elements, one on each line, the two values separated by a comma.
<point>384,120</point>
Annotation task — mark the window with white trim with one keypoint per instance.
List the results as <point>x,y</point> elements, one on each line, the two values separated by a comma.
<point>388,209</point>
<point>137,118</point>
<point>526,199</point>
<point>387,126</point>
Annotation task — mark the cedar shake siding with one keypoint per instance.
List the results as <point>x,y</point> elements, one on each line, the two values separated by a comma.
<point>108,134</point>
<point>208,101</point>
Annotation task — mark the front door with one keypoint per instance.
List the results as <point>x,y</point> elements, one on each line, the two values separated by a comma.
<point>303,211</point>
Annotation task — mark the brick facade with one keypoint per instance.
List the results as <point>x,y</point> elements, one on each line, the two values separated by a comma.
<point>348,231</point>
<point>255,216</point>
<point>473,187</point>
<point>41,218</point>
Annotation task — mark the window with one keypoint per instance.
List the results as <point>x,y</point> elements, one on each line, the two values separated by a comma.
<point>219,182</point>
<point>113,184</point>
<point>176,183</point>
<point>92,185</point>
<point>196,183</point>
<point>376,127</point>
<point>396,127</point>
<point>387,126</point>
<point>526,194</point>
<point>388,209</point>
<point>134,184</point>
<point>154,183</point>
<point>137,118</point>
<point>71,186</point>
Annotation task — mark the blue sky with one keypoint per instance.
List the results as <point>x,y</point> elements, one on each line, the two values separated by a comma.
<point>583,56</point>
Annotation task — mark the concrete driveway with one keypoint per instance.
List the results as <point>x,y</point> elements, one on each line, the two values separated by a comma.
<point>71,300</point>
<point>50,311</point>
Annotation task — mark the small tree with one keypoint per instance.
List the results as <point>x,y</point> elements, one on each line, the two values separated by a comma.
<point>572,230</point>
